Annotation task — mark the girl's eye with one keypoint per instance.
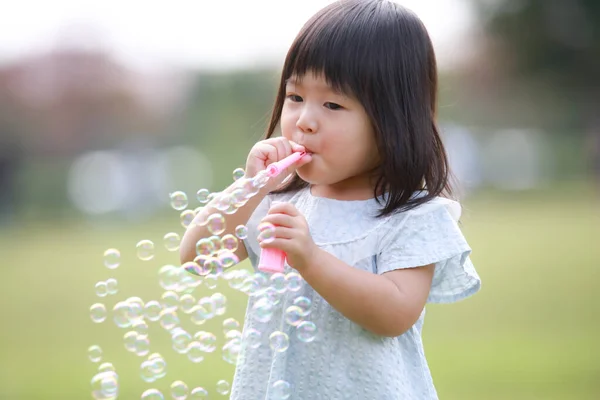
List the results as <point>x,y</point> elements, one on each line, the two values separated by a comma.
<point>295,98</point>
<point>333,106</point>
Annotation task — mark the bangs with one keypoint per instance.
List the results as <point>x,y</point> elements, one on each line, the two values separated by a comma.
<point>339,45</point>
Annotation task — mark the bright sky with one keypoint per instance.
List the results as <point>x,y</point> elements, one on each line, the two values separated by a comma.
<point>194,33</point>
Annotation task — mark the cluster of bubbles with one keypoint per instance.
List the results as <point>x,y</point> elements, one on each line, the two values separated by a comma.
<point>215,255</point>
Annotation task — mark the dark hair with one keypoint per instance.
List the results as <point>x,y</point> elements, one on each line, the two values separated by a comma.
<point>380,53</point>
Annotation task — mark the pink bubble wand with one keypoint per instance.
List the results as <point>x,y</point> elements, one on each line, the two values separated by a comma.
<point>273,260</point>
<point>278,167</point>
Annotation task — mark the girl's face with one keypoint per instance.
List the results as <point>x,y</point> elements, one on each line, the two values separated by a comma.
<point>337,131</point>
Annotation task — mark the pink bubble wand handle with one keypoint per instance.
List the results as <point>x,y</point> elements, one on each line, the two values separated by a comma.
<point>273,260</point>
<point>277,167</point>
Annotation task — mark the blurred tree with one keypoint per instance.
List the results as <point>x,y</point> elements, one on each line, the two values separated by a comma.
<point>226,114</point>
<point>557,44</point>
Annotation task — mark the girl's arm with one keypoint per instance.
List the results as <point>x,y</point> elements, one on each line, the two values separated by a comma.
<point>387,305</point>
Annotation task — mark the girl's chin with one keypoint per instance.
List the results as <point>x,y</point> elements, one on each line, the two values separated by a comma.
<point>307,173</point>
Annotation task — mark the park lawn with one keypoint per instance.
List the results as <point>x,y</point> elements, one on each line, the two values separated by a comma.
<point>531,333</point>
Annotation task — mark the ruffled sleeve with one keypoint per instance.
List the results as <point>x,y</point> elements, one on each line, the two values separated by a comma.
<point>430,235</point>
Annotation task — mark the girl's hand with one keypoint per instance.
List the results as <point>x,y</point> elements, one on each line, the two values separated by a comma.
<point>292,235</point>
<point>272,150</point>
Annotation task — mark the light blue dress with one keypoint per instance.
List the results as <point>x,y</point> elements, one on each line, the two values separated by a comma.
<point>346,361</point>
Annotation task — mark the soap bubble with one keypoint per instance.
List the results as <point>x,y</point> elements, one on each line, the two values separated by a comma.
<point>129,340</point>
<point>112,258</point>
<point>223,387</point>
<point>249,187</point>
<point>145,250</point>
<point>306,331</point>
<point>198,393</point>
<point>195,352</point>
<point>168,277</point>
<point>227,259</point>
<point>180,340</point>
<point>95,353</point>
<point>216,224</point>
<point>159,365</point>
<point>231,351</point>
<point>98,312</point>
<point>230,242</point>
<point>169,301</point>
<point>141,327</point>
<point>294,281</point>
<point>216,242</point>
<point>105,385</point>
<point>263,309</point>
<point>230,324</point>
<point>218,303</point>
<point>222,201</point>
<point>304,303</point>
<point>199,315</point>
<point>179,390</point>
<point>152,310</point>
<point>281,390</point>
<point>261,179</point>
<point>254,284</point>
<point>205,247</point>
<point>237,278</point>
<point>195,268</point>
<point>272,294</point>
<point>238,197</point>
<point>106,367</point>
<point>171,241</point>
<point>146,372</point>
<point>207,304</point>
<point>136,308</point>
<point>294,315</point>
<point>187,302</point>
<point>152,394</point>
<point>168,319</point>
<point>252,338</point>
<point>202,196</point>
<point>112,286</point>
<point>238,173</point>
<point>207,341</point>
<point>278,282</point>
<point>233,334</point>
<point>101,289</point>
<point>142,345</point>
<point>241,231</point>
<point>279,341</point>
<point>179,200</point>
<point>186,217</point>
<point>266,232</point>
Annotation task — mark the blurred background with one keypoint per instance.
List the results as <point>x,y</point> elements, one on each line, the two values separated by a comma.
<point>108,107</point>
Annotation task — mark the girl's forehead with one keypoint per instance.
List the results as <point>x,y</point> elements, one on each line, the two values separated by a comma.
<point>312,81</point>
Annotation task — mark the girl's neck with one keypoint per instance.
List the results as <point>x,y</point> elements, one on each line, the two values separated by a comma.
<point>342,191</point>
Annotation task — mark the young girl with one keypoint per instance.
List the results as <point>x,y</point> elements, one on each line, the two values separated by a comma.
<point>361,218</point>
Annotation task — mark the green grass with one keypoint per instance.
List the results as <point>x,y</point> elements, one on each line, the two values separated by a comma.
<point>531,333</point>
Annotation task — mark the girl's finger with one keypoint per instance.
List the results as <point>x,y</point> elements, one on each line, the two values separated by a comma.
<point>280,244</point>
<point>283,232</point>
<point>284,148</point>
<point>284,208</point>
<point>297,147</point>
<point>279,220</point>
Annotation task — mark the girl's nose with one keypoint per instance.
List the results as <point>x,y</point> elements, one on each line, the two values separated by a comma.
<point>307,122</point>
